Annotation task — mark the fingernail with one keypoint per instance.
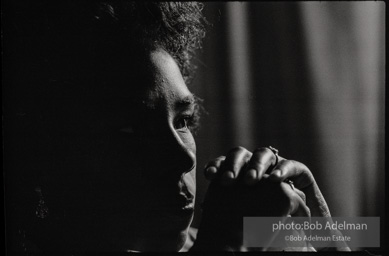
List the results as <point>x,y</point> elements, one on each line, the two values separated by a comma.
<point>227,177</point>
<point>211,171</point>
<point>251,176</point>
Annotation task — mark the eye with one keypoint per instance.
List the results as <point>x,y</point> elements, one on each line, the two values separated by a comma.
<point>183,122</point>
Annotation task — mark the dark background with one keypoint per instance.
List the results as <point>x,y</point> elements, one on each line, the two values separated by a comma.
<point>306,78</point>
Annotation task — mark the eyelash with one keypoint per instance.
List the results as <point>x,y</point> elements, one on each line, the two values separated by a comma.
<point>188,122</point>
<point>191,122</point>
<point>183,122</point>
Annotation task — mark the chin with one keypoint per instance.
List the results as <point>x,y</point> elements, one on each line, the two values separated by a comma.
<point>172,236</point>
<point>158,242</point>
<point>166,233</point>
<point>181,239</point>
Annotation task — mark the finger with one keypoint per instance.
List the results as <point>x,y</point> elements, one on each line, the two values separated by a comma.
<point>316,201</point>
<point>293,170</point>
<point>303,180</point>
<point>283,170</point>
<point>300,194</point>
<point>298,208</point>
<point>212,167</point>
<point>235,160</point>
<point>261,160</point>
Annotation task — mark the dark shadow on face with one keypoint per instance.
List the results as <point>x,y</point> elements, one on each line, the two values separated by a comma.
<point>137,180</point>
<point>99,120</point>
<point>122,155</point>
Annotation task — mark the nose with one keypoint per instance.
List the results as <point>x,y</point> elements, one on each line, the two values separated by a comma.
<point>172,152</point>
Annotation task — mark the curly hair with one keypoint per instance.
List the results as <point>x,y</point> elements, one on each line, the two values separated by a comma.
<point>177,27</point>
<point>56,46</point>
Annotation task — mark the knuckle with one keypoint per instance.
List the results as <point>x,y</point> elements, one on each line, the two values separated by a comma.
<point>287,165</point>
<point>237,149</point>
<point>263,150</point>
<point>289,162</point>
<point>302,166</point>
<point>304,170</point>
<point>258,162</point>
<point>282,163</point>
<point>307,171</point>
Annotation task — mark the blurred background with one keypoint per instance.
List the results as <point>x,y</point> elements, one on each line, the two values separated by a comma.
<point>306,78</point>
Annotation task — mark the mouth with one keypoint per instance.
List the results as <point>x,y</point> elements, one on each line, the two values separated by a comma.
<point>182,207</point>
<point>175,198</point>
<point>183,204</point>
<point>187,190</point>
<point>185,200</point>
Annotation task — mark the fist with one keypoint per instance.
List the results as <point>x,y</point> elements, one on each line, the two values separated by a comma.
<point>244,184</point>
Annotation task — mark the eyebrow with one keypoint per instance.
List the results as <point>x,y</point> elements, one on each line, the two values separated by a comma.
<point>185,102</point>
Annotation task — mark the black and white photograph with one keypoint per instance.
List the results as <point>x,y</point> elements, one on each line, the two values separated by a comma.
<point>196,128</point>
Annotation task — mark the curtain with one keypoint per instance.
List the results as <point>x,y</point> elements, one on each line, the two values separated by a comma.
<point>306,78</point>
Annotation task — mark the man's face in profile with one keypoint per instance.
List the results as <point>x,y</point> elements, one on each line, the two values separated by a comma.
<point>137,169</point>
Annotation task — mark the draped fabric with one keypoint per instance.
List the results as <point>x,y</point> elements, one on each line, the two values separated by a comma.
<point>306,78</point>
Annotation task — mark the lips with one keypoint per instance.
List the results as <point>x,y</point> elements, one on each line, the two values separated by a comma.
<point>182,204</point>
<point>170,195</point>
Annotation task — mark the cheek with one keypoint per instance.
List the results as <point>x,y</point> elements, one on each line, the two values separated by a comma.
<point>190,145</point>
<point>190,178</point>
